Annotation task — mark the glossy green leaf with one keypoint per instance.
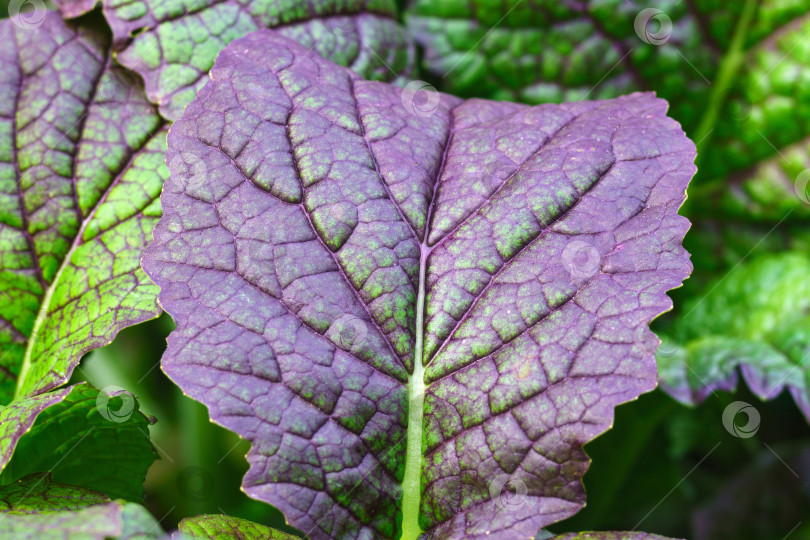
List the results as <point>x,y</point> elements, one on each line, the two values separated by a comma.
<point>65,430</point>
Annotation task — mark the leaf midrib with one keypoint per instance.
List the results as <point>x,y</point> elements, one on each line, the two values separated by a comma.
<point>412,481</point>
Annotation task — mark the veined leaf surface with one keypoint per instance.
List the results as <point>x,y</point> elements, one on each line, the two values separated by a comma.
<point>173,43</point>
<point>411,304</point>
<point>81,168</point>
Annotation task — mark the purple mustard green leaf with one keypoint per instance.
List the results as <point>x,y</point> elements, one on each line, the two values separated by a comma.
<point>81,168</point>
<point>733,73</point>
<point>416,308</point>
<point>710,343</point>
<point>173,43</point>
<point>612,535</point>
<point>212,526</point>
<point>64,430</point>
<point>37,508</point>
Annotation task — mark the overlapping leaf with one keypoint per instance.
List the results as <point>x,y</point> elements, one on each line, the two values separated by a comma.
<point>219,527</point>
<point>64,430</point>
<point>755,319</point>
<point>173,43</point>
<point>35,507</point>
<point>411,307</point>
<point>81,167</point>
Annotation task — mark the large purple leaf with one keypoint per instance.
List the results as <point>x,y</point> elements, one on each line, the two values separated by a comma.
<point>412,307</point>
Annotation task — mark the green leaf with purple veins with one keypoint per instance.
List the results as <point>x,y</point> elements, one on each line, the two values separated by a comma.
<point>38,508</point>
<point>81,169</point>
<point>173,43</point>
<point>416,308</point>
<point>63,430</point>
<point>223,527</point>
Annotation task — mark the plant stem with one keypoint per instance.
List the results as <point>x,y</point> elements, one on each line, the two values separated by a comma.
<point>728,69</point>
<point>412,483</point>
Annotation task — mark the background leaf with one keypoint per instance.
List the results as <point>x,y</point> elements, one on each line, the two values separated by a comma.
<point>771,343</point>
<point>173,43</point>
<point>325,313</point>
<point>217,526</point>
<point>36,507</point>
<point>81,167</point>
<point>65,430</point>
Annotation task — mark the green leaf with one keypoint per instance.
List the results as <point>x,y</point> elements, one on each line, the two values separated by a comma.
<point>223,527</point>
<point>81,168</point>
<point>755,318</point>
<point>35,507</point>
<point>173,43</point>
<point>82,436</point>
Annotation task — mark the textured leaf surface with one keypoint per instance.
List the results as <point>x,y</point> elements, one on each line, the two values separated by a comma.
<point>35,507</point>
<point>734,72</point>
<point>81,167</point>
<point>64,430</point>
<point>218,526</point>
<point>610,536</point>
<point>755,319</point>
<point>173,43</point>
<point>332,260</point>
